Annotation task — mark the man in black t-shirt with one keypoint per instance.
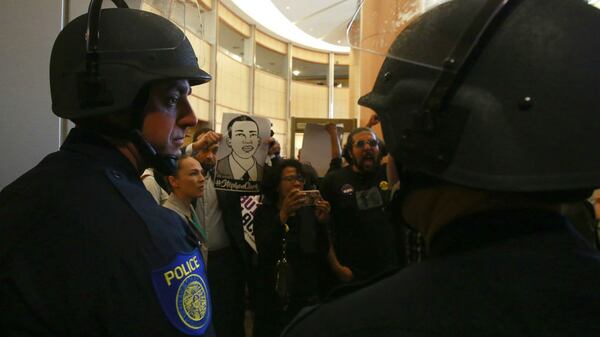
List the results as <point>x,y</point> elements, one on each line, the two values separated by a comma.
<point>363,238</point>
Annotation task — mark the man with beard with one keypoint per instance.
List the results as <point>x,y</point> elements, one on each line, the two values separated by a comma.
<point>363,238</point>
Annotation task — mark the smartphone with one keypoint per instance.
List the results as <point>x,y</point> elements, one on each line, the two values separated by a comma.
<point>311,197</point>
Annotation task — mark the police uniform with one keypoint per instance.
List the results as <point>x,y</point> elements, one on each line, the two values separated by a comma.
<point>86,251</point>
<point>364,238</point>
<point>519,273</point>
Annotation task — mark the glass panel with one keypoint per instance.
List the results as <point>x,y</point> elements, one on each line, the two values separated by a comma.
<point>231,42</point>
<point>271,61</point>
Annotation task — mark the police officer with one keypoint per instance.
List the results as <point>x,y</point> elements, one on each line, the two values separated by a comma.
<point>490,111</point>
<point>85,250</point>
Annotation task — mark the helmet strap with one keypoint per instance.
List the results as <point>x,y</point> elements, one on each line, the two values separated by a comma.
<point>165,164</point>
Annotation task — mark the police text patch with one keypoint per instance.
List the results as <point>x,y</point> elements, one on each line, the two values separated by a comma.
<point>182,290</point>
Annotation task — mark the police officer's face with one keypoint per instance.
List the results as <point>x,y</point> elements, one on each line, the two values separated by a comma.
<point>167,115</point>
<point>189,180</point>
<point>365,151</point>
<point>244,139</point>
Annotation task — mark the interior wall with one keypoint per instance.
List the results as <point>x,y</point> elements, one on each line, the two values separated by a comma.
<point>28,129</point>
<point>309,100</point>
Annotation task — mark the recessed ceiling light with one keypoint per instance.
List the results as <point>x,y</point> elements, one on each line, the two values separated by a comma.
<point>296,72</point>
<point>288,7</point>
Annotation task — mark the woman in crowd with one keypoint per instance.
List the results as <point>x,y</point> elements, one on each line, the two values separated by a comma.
<point>293,248</point>
<point>187,184</point>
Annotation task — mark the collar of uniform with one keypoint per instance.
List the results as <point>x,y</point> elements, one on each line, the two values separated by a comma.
<point>482,229</point>
<point>92,145</point>
<point>179,206</point>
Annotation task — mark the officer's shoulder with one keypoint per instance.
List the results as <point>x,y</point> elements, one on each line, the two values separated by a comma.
<point>41,179</point>
<point>353,287</point>
<point>331,300</point>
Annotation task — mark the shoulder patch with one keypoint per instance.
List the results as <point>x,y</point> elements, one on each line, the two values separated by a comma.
<point>182,290</point>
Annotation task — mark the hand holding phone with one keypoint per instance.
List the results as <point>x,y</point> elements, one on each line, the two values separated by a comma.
<point>311,197</point>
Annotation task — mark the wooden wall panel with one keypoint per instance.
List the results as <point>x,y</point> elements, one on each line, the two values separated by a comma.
<point>309,100</point>
<point>269,95</point>
<point>309,55</point>
<point>270,42</point>
<point>341,59</point>
<point>234,21</point>
<point>341,103</point>
<point>232,83</point>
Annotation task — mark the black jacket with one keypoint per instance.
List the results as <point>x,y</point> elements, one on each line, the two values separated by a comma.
<point>523,273</point>
<point>306,253</point>
<point>364,238</point>
<point>84,249</point>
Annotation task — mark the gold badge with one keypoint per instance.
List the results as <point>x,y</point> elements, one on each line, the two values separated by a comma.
<point>383,185</point>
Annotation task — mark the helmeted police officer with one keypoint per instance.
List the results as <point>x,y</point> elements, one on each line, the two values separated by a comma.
<point>85,250</point>
<point>490,111</point>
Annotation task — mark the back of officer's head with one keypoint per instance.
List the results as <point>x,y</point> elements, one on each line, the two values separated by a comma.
<point>512,107</point>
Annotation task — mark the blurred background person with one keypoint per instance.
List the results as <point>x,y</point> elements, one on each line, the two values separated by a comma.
<point>364,238</point>
<point>156,183</point>
<point>229,256</point>
<point>293,248</point>
<point>187,184</point>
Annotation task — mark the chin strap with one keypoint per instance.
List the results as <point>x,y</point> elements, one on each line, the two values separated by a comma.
<point>165,164</point>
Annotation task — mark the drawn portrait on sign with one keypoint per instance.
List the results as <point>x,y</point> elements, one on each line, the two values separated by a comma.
<point>242,152</point>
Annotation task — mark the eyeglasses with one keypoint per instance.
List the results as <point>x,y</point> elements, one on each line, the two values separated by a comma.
<point>361,143</point>
<point>297,178</point>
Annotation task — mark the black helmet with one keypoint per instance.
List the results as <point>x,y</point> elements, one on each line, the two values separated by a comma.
<point>514,103</point>
<point>134,48</point>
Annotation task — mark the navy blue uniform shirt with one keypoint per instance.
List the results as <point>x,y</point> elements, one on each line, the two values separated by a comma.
<point>517,273</point>
<point>86,251</point>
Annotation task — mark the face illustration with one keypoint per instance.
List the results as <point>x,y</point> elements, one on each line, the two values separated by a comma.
<point>167,116</point>
<point>244,139</point>
<point>365,151</point>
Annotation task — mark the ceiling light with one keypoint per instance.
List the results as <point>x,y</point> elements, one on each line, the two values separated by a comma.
<point>268,16</point>
<point>296,72</point>
<point>288,7</point>
<point>339,41</point>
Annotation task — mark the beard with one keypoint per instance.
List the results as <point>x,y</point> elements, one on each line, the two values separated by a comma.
<point>368,162</point>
